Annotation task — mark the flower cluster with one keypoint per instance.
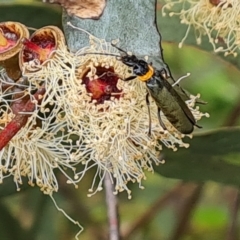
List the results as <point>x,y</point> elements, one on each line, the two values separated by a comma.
<point>218,19</point>
<point>83,116</point>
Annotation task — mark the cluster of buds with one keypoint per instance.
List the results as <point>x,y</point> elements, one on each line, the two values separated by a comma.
<point>218,19</point>
<point>72,111</point>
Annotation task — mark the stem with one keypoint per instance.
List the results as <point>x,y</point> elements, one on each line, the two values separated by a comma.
<point>234,200</point>
<point>112,209</point>
<point>19,120</point>
<point>233,116</point>
<point>193,191</point>
<point>147,216</point>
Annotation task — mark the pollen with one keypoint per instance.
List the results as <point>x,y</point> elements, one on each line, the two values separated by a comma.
<point>39,47</point>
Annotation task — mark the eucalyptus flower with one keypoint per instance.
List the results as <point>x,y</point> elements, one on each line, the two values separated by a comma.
<point>217,19</point>
<point>113,119</point>
<point>34,138</point>
<point>88,117</point>
<point>38,148</point>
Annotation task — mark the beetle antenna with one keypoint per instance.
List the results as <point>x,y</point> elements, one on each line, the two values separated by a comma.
<point>97,53</point>
<point>180,79</point>
<point>118,48</point>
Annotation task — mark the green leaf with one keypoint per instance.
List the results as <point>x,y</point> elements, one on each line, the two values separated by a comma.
<point>34,15</point>
<point>213,155</point>
<point>215,79</point>
<point>9,226</point>
<point>8,187</point>
<point>210,217</point>
<point>44,213</point>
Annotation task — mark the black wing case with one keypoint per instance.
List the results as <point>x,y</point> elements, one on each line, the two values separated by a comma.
<point>171,104</point>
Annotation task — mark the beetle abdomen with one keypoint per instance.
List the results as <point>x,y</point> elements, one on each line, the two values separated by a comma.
<point>171,104</point>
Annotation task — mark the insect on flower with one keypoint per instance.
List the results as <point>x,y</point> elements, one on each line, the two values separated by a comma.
<point>166,98</point>
<point>111,118</point>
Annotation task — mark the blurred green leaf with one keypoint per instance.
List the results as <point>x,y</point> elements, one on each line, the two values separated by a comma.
<point>215,79</point>
<point>9,226</point>
<point>9,187</point>
<point>210,217</point>
<point>214,155</point>
<point>46,221</point>
<point>34,15</point>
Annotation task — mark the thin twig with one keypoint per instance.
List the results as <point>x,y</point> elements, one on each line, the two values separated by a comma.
<point>233,116</point>
<point>234,200</point>
<point>193,192</point>
<point>153,210</point>
<point>20,119</point>
<point>112,209</point>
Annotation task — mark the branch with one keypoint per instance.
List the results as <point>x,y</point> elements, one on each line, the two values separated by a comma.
<point>112,209</point>
<point>20,119</point>
<point>193,192</point>
<point>154,209</point>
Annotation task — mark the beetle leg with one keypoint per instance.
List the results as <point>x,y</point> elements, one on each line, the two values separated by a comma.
<point>129,78</point>
<point>160,120</point>
<point>197,126</point>
<point>149,114</point>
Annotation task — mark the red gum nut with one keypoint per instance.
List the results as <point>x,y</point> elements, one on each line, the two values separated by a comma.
<point>219,3</point>
<point>43,53</point>
<point>9,58</point>
<point>43,33</point>
<point>20,119</point>
<point>20,31</point>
